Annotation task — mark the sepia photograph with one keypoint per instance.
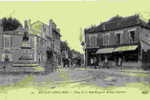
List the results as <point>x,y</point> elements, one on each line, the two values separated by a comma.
<point>74,49</point>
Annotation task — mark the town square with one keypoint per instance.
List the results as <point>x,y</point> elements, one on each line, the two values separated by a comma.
<point>81,48</point>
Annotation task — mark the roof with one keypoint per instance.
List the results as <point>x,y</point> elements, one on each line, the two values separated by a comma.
<point>118,22</point>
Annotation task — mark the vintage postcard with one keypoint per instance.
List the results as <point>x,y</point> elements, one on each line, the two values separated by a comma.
<point>74,49</point>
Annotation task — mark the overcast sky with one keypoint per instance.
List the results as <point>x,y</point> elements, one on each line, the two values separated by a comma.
<point>72,16</point>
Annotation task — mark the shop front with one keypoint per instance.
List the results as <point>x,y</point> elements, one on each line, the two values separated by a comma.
<point>119,56</point>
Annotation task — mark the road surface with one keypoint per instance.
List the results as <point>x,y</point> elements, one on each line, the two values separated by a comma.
<point>79,78</point>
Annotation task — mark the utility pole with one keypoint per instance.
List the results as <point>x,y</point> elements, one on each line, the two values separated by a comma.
<point>83,44</point>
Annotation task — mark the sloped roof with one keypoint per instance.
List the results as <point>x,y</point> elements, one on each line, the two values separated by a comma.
<point>20,29</point>
<point>118,22</point>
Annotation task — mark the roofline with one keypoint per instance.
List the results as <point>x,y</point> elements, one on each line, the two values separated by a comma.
<point>117,29</point>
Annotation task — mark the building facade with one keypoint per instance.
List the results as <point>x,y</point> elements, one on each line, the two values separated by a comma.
<point>56,43</point>
<point>52,37</point>
<point>30,47</point>
<point>15,52</point>
<point>70,57</point>
<point>65,52</point>
<point>120,41</point>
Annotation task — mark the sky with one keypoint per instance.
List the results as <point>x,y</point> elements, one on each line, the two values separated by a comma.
<point>71,17</point>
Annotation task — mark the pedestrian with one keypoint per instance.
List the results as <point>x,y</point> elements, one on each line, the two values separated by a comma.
<point>4,68</point>
<point>6,61</point>
<point>120,62</point>
<point>106,62</point>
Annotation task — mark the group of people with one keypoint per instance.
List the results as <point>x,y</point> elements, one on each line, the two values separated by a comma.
<point>72,63</point>
<point>118,62</point>
<point>106,63</point>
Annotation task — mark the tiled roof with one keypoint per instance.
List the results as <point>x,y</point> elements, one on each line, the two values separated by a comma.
<point>118,22</point>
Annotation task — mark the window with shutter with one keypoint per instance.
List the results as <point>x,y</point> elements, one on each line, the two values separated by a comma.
<point>108,39</point>
<point>132,36</point>
<point>7,41</point>
<point>95,40</point>
<point>118,38</point>
<point>105,38</point>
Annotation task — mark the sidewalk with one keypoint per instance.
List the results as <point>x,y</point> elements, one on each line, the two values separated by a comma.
<point>123,69</point>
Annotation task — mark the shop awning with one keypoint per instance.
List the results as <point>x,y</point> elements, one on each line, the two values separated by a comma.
<point>125,48</point>
<point>105,50</point>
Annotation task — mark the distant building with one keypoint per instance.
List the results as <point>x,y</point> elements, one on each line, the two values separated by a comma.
<point>65,50</point>
<point>52,36</point>
<point>120,41</point>
<point>77,58</point>
<point>70,57</point>
<point>56,42</point>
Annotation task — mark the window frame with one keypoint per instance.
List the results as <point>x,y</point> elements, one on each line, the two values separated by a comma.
<point>8,39</point>
<point>120,33</point>
<point>129,34</point>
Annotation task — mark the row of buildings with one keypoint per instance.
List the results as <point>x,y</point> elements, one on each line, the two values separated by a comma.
<point>70,57</point>
<point>33,47</point>
<point>120,41</point>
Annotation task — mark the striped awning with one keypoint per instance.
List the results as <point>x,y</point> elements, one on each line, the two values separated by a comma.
<point>105,50</point>
<point>126,48</point>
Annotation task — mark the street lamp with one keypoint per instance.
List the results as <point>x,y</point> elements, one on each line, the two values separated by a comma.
<point>83,46</point>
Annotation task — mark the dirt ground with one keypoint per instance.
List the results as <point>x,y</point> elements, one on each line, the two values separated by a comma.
<point>98,77</point>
